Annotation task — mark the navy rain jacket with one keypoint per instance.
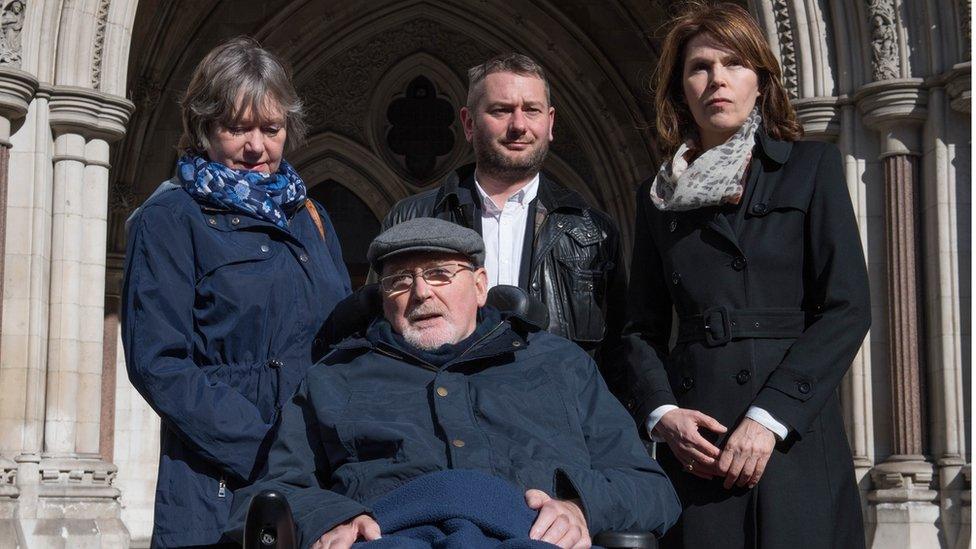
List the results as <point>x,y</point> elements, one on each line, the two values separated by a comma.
<point>219,314</point>
<point>529,408</point>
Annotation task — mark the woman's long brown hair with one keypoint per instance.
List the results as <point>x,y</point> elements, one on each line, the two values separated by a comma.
<point>734,28</point>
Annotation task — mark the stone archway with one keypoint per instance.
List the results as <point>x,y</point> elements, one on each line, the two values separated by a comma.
<point>885,79</point>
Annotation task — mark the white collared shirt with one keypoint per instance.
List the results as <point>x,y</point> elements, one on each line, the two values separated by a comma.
<point>503,230</point>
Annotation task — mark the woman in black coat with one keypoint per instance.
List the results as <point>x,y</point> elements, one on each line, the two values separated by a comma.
<point>750,237</point>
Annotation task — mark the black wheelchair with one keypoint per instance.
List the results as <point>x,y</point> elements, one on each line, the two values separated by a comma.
<point>269,523</point>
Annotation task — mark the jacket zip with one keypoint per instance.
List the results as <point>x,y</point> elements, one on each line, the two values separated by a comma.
<point>476,343</point>
<point>430,366</point>
<point>222,488</point>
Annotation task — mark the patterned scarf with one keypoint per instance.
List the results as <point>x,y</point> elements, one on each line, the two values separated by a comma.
<point>269,197</point>
<point>714,178</point>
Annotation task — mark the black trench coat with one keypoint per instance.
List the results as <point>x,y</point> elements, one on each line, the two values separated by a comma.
<point>773,305</point>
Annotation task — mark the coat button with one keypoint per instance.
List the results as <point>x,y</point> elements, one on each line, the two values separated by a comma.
<point>442,391</point>
<point>739,263</point>
<point>235,221</point>
<point>265,248</point>
<point>516,343</point>
<point>760,208</point>
<point>535,285</point>
<point>303,258</point>
<point>803,387</point>
<point>458,443</point>
<point>675,278</point>
<point>743,377</point>
<point>212,220</point>
<point>687,383</point>
<point>673,225</point>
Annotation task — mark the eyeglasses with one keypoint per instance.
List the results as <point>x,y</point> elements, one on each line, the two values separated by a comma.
<point>440,275</point>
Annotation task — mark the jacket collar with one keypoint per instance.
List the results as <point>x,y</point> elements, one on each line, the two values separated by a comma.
<point>773,149</point>
<point>458,189</point>
<point>500,339</point>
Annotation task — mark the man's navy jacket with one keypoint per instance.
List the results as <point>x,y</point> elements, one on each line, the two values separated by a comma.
<point>527,407</point>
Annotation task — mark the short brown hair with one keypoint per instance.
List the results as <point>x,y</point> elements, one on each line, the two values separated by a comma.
<point>733,27</point>
<point>516,63</point>
<point>237,70</point>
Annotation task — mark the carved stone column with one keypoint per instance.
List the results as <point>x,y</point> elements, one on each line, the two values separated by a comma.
<point>16,90</point>
<point>75,496</point>
<point>902,495</point>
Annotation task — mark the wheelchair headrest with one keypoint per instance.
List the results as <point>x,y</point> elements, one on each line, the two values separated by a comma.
<point>514,302</point>
<point>353,314</point>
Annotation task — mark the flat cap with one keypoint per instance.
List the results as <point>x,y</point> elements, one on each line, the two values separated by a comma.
<point>426,234</point>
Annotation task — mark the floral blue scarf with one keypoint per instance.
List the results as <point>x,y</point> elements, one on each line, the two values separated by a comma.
<point>268,197</point>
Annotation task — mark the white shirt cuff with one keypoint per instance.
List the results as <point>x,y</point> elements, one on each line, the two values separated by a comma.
<point>656,416</point>
<point>766,419</point>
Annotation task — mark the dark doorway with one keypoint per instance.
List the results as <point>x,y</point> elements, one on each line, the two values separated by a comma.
<point>354,223</point>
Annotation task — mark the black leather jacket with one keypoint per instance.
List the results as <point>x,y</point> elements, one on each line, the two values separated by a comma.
<point>575,267</point>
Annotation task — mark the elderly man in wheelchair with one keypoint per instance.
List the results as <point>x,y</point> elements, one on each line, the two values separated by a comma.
<point>446,422</point>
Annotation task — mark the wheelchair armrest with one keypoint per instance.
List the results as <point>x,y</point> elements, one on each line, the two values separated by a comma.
<point>269,523</point>
<point>626,540</point>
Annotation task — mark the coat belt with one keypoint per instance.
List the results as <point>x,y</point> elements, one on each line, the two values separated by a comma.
<point>718,325</point>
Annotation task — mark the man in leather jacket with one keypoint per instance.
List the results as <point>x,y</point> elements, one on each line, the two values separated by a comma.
<point>543,237</point>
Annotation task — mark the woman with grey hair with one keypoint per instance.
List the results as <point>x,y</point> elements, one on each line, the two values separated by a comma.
<point>230,271</point>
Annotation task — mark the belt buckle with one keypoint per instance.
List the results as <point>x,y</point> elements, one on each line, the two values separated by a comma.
<point>714,319</point>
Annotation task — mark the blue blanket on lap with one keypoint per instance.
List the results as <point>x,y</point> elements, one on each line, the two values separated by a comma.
<point>455,509</point>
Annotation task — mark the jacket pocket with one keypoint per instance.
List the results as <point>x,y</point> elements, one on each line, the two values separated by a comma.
<point>257,382</point>
<point>374,440</point>
<point>584,289</point>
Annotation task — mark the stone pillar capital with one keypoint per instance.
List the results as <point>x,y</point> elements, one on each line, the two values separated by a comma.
<point>91,113</point>
<point>960,86</point>
<point>16,91</point>
<point>896,108</point>
<point>820,117</point>
<point>903,479</point>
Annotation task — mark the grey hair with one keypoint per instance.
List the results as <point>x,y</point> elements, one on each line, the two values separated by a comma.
<point>237,75</point>
<point>509,62</point>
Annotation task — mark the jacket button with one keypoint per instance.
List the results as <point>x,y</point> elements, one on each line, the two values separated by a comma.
<point>235,221</point>
<point>265,248</point>
<point>673,225</point>
<point>303,258</point>
<point>803,387</point>
<point>516,343</point>
<point>275,363</point>
<point>442,391</point>
<point>535,285</point>
<point>212,220</point>
<point>760,208</point>
<point>687,383</point>
<point>458,443</point>
<point>743,377</point>
<point>675,278</point>
<point>739,263</point>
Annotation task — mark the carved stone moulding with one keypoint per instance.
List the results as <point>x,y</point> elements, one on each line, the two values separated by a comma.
<point>8,479</point>
<point>903,479</point>
<point>91,113</point>
<point>959,87</point>
<point>73,477</point>
<point>820,117</point>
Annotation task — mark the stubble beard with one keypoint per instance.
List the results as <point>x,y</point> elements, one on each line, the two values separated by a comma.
<point>496,164</point>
